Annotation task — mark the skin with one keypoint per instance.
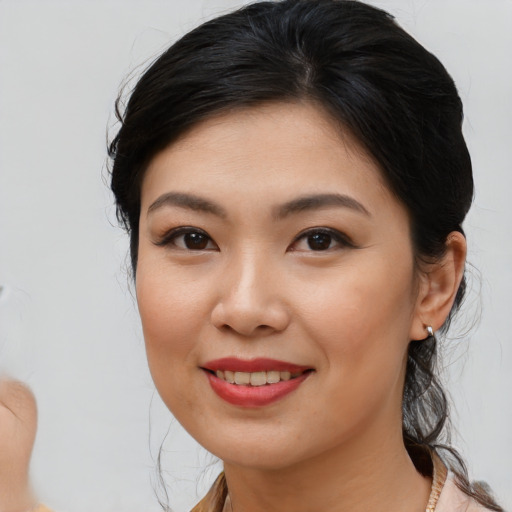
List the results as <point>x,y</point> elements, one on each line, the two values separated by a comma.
<point>18,424</point>
<point>256,288</point>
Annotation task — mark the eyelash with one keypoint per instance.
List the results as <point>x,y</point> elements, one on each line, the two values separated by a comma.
<point>337,236</point>
<point>169,239</point>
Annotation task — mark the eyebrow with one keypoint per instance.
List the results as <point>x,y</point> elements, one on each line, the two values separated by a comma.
<point>187,201</point>
<point>318,201</point>
<point>298,205</point>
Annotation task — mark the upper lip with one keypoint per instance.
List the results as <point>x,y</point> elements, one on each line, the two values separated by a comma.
<point>261,364</point>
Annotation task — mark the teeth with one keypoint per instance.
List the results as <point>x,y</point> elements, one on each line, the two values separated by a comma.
<point>255,378</point>
<point>258,378</point>
<point>242,378</point>
<point>273,377</point>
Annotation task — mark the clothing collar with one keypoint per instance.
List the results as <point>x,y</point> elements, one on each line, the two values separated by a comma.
<point>440,473</point>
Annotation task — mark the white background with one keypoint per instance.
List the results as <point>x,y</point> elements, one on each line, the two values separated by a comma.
<point>68,321</point>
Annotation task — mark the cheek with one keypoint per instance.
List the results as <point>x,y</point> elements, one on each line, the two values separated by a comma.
<point>171,315</point>
<point>169,321</point>
<point>361,320</point>
<point>360,301</point>
<point>361,324</point>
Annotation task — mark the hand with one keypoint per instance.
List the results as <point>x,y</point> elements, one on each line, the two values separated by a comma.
<point>18,425</point>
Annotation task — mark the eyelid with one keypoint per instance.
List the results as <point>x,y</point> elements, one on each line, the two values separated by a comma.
<point>169,236</point>
<point>341,238</point>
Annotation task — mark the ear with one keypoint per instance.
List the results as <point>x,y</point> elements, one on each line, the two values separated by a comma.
<point>438,287</point>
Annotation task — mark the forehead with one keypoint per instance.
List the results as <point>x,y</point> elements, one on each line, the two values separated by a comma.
<point>276,149</point>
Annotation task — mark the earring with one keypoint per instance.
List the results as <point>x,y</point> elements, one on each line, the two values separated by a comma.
<point>430,331</point>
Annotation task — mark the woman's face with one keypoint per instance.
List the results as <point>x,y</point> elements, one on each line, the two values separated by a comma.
<point>272,252</point>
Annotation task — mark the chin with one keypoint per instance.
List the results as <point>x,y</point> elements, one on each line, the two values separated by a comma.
<point>258,453</point>
<point>260,460</point>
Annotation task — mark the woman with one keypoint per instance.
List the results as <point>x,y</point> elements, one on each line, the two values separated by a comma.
<point>294,179</point>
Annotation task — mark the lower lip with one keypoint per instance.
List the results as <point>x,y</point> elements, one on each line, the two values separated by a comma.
<point>254,396</point>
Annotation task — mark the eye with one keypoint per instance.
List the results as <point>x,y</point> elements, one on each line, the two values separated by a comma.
<point>188,238</point>
<point>320,239</point>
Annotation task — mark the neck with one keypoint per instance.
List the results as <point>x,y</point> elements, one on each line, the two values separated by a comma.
<point>364,476</point>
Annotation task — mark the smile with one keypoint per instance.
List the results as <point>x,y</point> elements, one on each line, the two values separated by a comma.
<point>254,383</point>
<point>255,378</point>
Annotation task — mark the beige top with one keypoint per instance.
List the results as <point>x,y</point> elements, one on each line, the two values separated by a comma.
<point>445,496</point>
<point>452,499</point>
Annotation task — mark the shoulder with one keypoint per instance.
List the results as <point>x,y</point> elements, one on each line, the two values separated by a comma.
<point>452,499</point>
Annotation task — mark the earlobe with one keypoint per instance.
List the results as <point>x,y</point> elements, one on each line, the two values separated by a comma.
<point>438,287</point>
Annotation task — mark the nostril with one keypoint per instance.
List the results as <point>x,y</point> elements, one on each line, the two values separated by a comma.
<point>253,318</point>
<point>248,331</point>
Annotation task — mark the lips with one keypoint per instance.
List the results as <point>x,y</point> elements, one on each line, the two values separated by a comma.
<point>255,382</point>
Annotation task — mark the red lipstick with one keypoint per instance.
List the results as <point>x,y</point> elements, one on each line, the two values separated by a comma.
<point>246,395</point>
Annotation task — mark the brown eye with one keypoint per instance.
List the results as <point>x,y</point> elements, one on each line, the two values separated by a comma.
<point>189,239</point>
<point>319,241</point>
<point>195,241</point>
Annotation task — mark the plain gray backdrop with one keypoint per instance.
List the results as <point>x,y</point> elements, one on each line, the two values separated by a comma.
<point>68,320</point>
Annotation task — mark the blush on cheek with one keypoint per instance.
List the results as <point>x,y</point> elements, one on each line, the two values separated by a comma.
<point>163,313</point>
<point>165,333</point>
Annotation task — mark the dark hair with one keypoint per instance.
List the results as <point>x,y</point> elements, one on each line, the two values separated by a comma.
<point>378,82</point>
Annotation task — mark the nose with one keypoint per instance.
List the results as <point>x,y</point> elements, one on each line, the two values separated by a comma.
<point>250,301</point>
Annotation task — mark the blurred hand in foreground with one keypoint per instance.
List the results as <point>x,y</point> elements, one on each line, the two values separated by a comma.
<point>18,425</point>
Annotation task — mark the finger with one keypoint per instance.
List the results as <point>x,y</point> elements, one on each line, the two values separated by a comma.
<point>19,401</point>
